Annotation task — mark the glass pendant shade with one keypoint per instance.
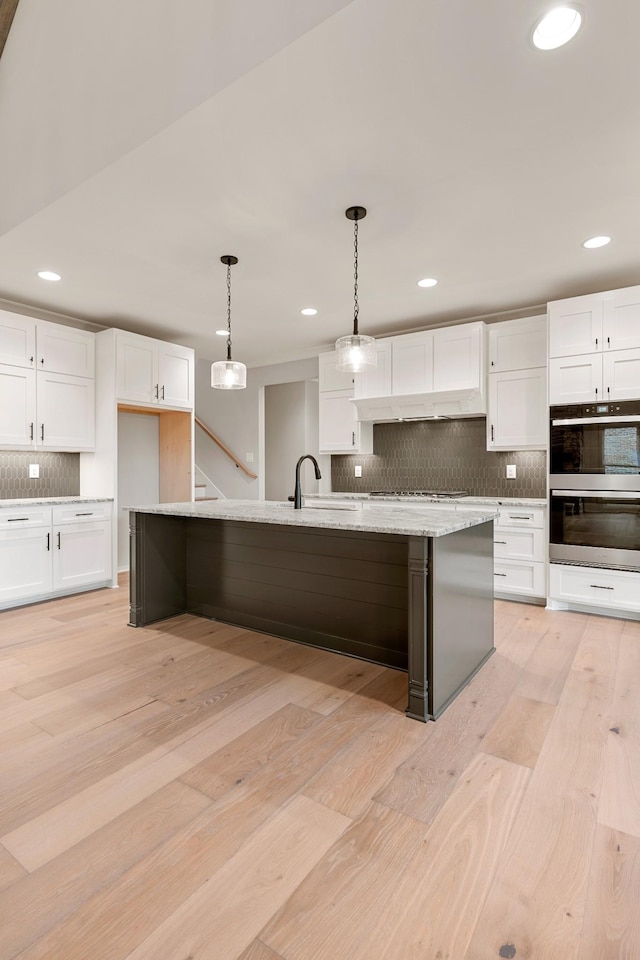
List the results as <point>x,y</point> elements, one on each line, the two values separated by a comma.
<point>228,375</point>
<point>355,353</point>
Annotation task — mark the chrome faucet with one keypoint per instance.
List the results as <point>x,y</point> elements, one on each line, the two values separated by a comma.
<point>297,497</point>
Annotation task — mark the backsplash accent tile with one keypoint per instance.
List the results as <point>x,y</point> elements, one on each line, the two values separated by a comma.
<point>59,474</point>
<point>440,455</point>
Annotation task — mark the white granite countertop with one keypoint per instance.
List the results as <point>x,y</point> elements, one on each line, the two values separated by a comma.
<point>471,501</point>
<point>426,522</point>
<point>38,501</point>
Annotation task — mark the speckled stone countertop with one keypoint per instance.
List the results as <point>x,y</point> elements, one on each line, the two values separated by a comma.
<point>39,501</point>
<point>427,522</point>
<point>459,501</point>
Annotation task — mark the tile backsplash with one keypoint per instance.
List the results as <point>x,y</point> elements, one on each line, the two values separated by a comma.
<point>59,474</point>
<point>440,455</point>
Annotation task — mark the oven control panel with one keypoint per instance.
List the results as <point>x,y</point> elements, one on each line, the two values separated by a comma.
<point>575,411</point>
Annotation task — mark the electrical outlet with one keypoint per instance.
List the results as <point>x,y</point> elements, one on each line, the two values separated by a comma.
<point>358,471</point>
<point>511,471</point>
<point>34,471</point>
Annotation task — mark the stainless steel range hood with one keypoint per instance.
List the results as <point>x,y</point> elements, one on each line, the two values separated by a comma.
<point>450,404</point>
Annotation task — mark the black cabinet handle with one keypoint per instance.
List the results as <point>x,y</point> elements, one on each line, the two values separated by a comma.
<point>30,359</point>
<point>596,341</point>
<point>89,514</point>
<point>492,431</point>
<point>162,397</point>
<point>42,432</point>
<point>503,542</point>
<point>48,541</point>
<point>42,361</point>
<point>16,519</point>
<point>499,574</point>
<point>31,437</point>
<point>597,586</point>
<point>353,438</point>
<point>58,539</point>
<point>157,392</point>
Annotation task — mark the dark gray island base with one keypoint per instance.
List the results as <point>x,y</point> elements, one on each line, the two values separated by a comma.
<point>423,604</point>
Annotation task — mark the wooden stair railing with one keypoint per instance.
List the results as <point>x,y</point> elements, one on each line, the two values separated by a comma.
<point>7,12</point>
<point>225,449</point>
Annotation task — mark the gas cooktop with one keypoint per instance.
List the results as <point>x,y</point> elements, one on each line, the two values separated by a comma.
<point>436,494</point>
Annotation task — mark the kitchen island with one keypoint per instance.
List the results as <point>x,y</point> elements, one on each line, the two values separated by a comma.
<point>413,591</point>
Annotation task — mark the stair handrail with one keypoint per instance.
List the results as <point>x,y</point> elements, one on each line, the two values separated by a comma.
<point>224,448</point>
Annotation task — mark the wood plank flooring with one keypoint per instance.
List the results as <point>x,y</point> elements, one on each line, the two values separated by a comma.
<point>195,791</point>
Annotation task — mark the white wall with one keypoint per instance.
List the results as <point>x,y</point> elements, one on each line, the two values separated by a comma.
<point>138,471</point>
<point>287,427</point>
<point>237,418</point>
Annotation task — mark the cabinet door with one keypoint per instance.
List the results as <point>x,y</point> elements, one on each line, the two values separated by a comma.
<point>412,363</point>
<point>575,379</point>
<point>17,339</point>
<point>329,377</point>
<point>622,319</point>
<point>176,375</point>
<point>137,368</point>
<point>457,353</point>
<point>63,349</point>
<point>517,410</point>
<point>518,344</point>
<point>376,381</point>
<point>25,563</point>
<point>66,412</point>
<point>17,407</point>
<point>81,554</point>
<point>621,375</point>
<point>576,326</point>
<point>339,431</point>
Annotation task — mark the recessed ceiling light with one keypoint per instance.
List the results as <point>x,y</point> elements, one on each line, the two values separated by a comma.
<point>221,333</point>
<point>49,275</point>
<point>594,242</point>
<point>427,282</point>
<point>556,27</point>
<point>309,311</point>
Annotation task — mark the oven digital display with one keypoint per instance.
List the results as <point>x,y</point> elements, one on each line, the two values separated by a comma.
<point>602,408</point>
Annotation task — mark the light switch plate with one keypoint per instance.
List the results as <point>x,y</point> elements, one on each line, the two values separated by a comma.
<point>358,471</point>
<point>511,471</point>
<point>34,471</point>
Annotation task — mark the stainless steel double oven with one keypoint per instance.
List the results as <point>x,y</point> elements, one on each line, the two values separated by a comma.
<point>595,484</point>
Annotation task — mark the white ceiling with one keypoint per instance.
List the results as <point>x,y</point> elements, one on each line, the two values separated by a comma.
<point>141,141</point>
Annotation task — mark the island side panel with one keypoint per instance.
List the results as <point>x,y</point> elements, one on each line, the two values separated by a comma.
<point>340,590</point>
<point>157,572</point>
<point>461,594</point>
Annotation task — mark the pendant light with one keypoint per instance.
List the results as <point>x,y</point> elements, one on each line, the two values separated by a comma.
<point>355,352</point>
<point>228,374</point>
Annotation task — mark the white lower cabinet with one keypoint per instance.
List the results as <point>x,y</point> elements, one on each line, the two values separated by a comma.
<point>519,552</point>
<point>595,586</point>
<point>25,563</point>
<point>50,551</point>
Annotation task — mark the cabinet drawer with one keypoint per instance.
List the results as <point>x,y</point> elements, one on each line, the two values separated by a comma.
<point>16,518</point>
<point>519,577</point>
<point>617,589</point>
<point>81,512</point>
<point>519,545</point>
<point>516,517</point>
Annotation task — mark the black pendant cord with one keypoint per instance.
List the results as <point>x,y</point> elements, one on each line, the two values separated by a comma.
<point>228,311</point>
<point>356,306</point>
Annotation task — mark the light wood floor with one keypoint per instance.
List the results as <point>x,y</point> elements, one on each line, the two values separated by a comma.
<point>194,790</point>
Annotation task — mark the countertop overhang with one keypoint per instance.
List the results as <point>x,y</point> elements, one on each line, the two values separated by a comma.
<point>46,501</point>
<point>390,519</point>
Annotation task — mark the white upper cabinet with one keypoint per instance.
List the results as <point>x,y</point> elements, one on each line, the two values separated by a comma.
<point>376,381</point>
<point>517,410</point>
<point>622,319</point>
<point>66,350</point>
<point>621,375</point>
<point>575,326</point>
<point>154,372</point>
<point>412,363</point>
<point>17,339</point>
<point>458,356</point>
<point>517,418</point>
<point>575,379</point>
<point>47,385</point>
<point>329,377</point>
<point>518,344</point>
<point>596,323</point>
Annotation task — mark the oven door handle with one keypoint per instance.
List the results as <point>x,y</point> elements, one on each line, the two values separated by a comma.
<point>598,494</point>
<point>576,421</point>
